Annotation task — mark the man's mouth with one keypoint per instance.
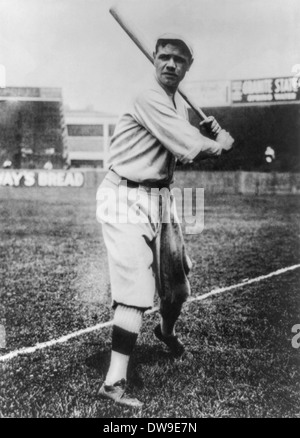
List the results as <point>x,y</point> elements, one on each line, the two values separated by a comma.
<point>172,75</point>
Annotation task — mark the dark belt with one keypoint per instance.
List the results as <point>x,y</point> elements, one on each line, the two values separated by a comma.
<point>149,185</point>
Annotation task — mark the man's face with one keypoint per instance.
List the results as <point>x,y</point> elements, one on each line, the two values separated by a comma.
<point>171,63</point>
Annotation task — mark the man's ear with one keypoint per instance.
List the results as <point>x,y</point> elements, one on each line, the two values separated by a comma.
<point>190,64</point>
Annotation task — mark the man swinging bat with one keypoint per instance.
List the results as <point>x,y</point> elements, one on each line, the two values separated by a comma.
<point>150,256</point>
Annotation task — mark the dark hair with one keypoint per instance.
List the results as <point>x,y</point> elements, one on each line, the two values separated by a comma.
<point>163,43</point>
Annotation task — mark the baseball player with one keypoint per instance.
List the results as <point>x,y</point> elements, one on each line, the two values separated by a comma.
<point>148,254</point>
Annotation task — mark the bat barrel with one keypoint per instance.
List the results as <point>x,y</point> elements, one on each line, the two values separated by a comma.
<point>131,35</point>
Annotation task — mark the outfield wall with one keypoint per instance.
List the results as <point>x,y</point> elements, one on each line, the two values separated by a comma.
<point>255,183</point>
<point>254,128</point>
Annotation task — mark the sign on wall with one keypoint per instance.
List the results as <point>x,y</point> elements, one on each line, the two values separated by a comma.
<point>28,178</point>
<point>210,93</point>
<point>265,90</point>
<point>31,92</point>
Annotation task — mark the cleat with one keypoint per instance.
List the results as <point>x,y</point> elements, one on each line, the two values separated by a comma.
<point>175,346</point>
<point>116,393</point>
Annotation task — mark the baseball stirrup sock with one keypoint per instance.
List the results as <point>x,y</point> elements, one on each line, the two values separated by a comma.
<point>126,327</point>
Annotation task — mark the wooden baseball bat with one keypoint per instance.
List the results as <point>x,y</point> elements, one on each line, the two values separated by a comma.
<point>132,32</point>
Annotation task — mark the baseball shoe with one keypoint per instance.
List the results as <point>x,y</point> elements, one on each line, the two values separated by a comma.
<point>176,347</point>
<point>116,393</point>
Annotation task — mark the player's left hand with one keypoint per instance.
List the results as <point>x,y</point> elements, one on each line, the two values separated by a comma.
<point>211,126</point>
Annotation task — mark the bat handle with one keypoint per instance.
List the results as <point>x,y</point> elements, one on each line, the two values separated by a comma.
<point>193,104</point>
<point>196,108</point>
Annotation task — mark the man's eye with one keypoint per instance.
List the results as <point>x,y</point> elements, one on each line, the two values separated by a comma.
<point>164,57</point>
<point>179,60</point>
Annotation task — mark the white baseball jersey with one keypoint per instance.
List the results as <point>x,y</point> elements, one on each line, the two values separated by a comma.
<point>152,134</point>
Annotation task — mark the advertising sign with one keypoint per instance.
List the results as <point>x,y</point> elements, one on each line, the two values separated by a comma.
<point>266,90</point>
<point>31,178</point>
<point>29,92</point>
<point>210,93</point>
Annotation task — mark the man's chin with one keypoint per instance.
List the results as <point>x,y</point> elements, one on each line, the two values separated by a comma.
<point>169,81</point>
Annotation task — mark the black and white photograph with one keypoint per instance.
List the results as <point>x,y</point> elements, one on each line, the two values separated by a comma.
<point>149,211</point>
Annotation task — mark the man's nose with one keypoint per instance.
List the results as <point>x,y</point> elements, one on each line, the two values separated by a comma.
<point>171,64</point>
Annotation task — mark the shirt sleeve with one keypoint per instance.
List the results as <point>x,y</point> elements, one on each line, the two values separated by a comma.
<point>159,117</point>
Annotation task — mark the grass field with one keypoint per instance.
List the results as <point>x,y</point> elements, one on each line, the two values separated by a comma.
<point>54,281</point>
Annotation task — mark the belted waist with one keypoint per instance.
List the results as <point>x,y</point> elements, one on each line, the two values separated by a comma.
<point>117,179</point>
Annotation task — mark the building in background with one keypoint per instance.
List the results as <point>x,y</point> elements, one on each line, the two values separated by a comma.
<point>89,134</point>
<point>32,127</point>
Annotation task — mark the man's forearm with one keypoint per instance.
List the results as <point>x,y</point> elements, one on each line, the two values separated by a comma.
<point>209,149</point>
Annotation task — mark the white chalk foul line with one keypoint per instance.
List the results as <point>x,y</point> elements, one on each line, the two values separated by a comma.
<point>63,339</point>
<point>28,350</point>
<point>245,283</point>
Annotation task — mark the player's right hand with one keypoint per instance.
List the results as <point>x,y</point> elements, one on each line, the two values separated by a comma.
<point>225,140</point>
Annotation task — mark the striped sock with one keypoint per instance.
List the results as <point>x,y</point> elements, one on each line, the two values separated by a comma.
<point>127,325</point>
